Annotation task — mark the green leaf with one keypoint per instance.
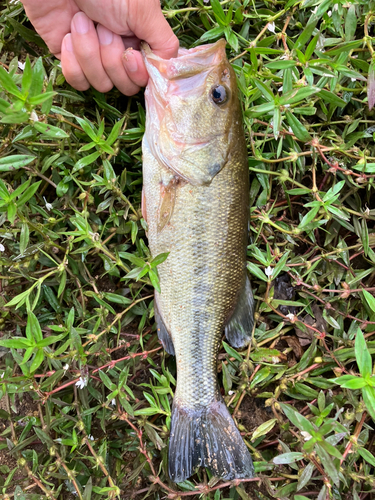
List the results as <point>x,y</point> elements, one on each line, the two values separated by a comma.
<point>117,299</point>
<point>107,381</point>
<point>369,457</point>
<point>306,33</point>
<point>50,130</point>
<point>260,110</point>
<point>265,90</point>
<point>232,352</point>
<point>27,75</point>
<point>362,355</point>
<point>154,279</point>
<point>308,217</point>
<point>288,458</point>
<point>37,361</point>
<point>212,34</point>
<point>368,394</point>
<point>350,382</point>
<point>298,129</point>
<point>29,193</point>
<point>86,160</point>
<point>297,419</point>
<point>218,12</point>
<point>38,78</point>
<point>328,464</point>
<point>159,259</point>
<point>88,128</point>
<point>14,162</point>
<point>296,95</point>
<point>16,343</point>
<point>24,237</point>
<point>332,98</point>
<point>33,329</point>
<point>281,64</point>
<point>370,299</point>
<point>256,271</point>
<point>39,99</point>
<point>7,83</point>
<point>11,212</point>
<point>264,428</point>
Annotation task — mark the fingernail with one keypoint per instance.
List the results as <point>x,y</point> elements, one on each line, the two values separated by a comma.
<point>68,42</point>
<point>81,23</point>
<point>130,60</point>
<point>105,36</point>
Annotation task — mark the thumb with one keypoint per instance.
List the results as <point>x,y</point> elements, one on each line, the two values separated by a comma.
<point>152,27</point>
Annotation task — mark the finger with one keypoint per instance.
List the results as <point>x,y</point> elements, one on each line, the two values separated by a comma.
<point>70,67</point>
<point>43,15</point>
<point>111,53</point>
<point>87,51</point>
<point>150,25</point>
<point>135,67</point>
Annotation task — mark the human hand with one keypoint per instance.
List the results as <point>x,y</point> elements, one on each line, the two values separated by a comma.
<point>95,55</point>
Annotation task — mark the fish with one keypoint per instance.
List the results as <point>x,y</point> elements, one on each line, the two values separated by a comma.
<point>195,201</point>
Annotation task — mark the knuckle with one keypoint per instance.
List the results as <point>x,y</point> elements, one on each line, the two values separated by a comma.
<point>103,86</point>
<point>129,89</point>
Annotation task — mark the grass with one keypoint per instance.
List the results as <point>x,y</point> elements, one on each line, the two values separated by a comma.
<point>85,387</point>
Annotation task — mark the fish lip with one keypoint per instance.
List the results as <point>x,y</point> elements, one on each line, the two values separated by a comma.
<point>187,62</point>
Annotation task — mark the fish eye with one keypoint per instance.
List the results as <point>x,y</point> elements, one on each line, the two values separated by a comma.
<point>219,94</point>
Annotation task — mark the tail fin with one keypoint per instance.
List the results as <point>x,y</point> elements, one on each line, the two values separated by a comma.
<point>207,437</point>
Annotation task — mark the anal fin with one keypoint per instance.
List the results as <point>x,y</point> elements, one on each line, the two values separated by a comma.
<point>163,334</point>
<point>239,328</point>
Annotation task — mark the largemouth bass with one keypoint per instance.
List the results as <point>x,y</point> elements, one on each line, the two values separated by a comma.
<point>196,203</point>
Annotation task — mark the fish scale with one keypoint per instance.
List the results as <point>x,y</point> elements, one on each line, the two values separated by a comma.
<point>196,206</point>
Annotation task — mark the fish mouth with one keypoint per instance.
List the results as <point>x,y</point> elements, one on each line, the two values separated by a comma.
<point>188,63</point>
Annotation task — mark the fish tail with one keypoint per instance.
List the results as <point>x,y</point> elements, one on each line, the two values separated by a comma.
<point>207,437</point>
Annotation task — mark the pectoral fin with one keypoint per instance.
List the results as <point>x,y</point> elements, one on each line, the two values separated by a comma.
<point>239,328</point>
<point>163,334</point>
<point>168,198</point>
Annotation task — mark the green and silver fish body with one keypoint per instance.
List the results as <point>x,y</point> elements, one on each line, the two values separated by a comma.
<point>195,202</point>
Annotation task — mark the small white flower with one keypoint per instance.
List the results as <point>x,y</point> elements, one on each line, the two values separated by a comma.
<point>336,6</point>
<point>306,435</point>
<point>290,130</point>
<point>329,13</point>
<point>268,271</point>
<point>21,65</point>
<point>281,88</point>
<point>271,27</point>
<point>314,11</point>
<point>230,393</point>
<point>90,437</point>
<point>66,367</point>
<point>34,117</point>
<point>49,206</point>
<point>2,375</point>
<point>81,382</point>
<point>2,248</point>
<point>113,402</point>
<point>290,316</point>
<point>94,236</point>
<point>353,79</point>
<point>286,105</point>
